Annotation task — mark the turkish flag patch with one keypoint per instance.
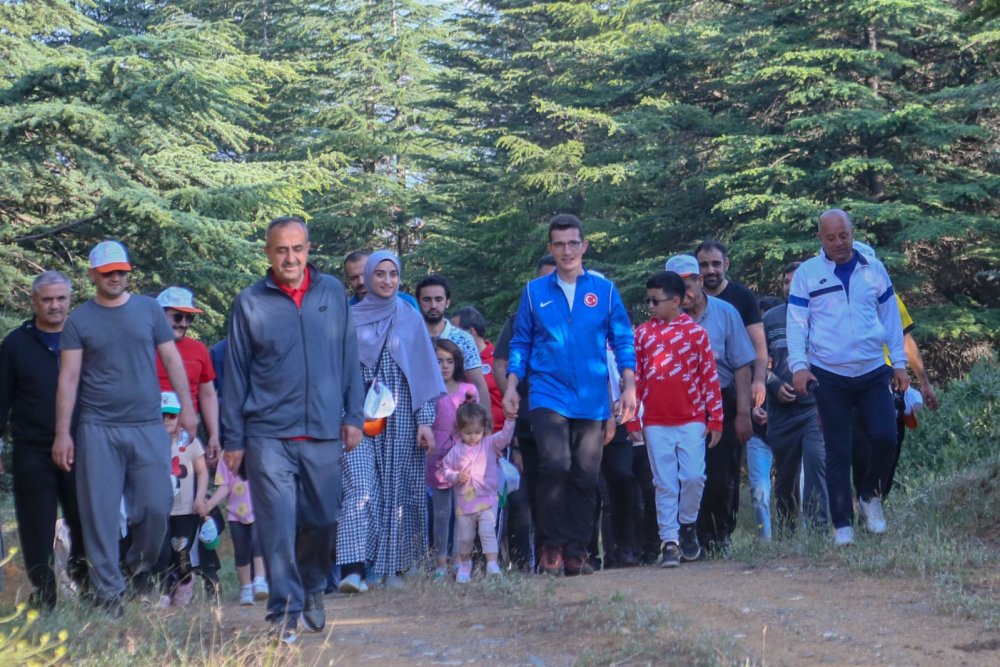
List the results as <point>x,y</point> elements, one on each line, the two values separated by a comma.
<point>590,299</point>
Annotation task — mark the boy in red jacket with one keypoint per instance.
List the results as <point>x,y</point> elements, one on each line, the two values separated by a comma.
<point>678,388</point>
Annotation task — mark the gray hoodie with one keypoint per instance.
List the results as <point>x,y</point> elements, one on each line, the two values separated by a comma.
<point>291,372</point>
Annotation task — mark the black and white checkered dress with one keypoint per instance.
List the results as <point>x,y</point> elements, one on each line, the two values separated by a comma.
<point>383,518</point>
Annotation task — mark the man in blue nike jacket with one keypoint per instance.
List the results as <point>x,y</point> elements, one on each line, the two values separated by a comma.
<point>562,331</point>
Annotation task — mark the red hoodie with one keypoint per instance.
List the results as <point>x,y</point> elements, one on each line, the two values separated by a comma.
<point>675,375</point>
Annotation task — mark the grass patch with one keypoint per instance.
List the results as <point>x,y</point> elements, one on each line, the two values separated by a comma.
<point>945,535</point>
<point>627,632</point>
<point>193,636</point>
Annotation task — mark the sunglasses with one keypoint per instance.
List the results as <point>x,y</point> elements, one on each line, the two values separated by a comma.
<point>653,302</point>
<point>181,318</point>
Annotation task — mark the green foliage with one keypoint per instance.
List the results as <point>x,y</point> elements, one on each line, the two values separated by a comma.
<point>963,431</point>
<point>20,645</point>
<point>451,134</point>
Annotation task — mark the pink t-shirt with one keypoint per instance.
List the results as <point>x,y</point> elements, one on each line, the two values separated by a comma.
<point>444,432</point>
<point>238,505</point>
<point>480,461</point>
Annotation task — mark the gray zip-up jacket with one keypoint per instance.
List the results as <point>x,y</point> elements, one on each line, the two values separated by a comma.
<point>291,372</point>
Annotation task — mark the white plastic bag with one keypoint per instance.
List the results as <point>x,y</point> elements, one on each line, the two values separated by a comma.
<point>379,402</point>
<point>509,474</point>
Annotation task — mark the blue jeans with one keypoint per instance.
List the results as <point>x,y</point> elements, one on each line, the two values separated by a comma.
<point>759,460</point>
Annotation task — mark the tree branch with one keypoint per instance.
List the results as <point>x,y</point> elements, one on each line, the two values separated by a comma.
<point>58,230</point>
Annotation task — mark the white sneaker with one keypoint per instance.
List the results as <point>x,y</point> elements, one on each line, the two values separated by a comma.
<point>260,589</point>
<point>246,596</point>
<point>872,513</point>
<point>844,536</point>
<point>352,583</point>
<point>464,574</point>
<point>494,569</point>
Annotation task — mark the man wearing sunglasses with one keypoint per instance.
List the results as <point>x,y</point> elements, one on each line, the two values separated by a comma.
<point>178,305</point>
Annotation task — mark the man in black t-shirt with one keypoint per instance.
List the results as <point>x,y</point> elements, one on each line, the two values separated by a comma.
<point>714,263</point>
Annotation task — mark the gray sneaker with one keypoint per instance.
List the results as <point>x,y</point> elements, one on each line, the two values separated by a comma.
<point>871,511</point>
<point>670,555</point>
<point>314,616</point>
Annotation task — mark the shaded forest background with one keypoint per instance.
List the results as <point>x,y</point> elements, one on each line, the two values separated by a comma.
<point>451,132</point>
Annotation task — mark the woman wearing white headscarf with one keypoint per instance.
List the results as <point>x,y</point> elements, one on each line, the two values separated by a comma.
<point>383,520</point>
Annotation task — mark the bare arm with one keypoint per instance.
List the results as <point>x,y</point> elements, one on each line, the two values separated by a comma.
<point>174,365</point>
<point>917,364</point>
<point>200,485</point>
<point>476,377</point>
<point>220,494</point>
<point>500,374</point>
<point>208,401</point>
<point>70,363</point>
<point>757,387</point>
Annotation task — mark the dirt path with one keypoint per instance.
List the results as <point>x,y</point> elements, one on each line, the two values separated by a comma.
<point>780,613</point>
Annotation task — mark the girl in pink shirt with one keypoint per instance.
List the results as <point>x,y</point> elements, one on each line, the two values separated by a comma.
<point>471,466</point>
<point>450,361</point>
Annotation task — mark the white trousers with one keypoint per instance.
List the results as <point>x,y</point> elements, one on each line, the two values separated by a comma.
<point>677,457</point>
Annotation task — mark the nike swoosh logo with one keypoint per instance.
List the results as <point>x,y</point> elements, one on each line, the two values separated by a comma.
<point>544,303</point>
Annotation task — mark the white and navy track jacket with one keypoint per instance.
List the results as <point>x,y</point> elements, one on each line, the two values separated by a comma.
<point>839,332</point>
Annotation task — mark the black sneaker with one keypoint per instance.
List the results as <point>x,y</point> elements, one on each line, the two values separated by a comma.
<point>670,555</point>
<point>314,616</point>
<point>690,549</point>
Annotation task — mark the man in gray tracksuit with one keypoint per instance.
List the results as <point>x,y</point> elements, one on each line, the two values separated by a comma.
<point>294,395</point>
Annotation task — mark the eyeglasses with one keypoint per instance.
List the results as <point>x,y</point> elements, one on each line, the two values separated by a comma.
<point>181,318</point>
<point>653,302</point>
<point>563,245</point>
<point>114,274</point>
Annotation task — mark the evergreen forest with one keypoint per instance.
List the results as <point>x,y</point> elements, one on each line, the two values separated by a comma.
<point>451,132</point>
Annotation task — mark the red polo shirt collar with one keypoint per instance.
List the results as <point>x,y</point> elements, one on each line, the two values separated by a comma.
<point>296,294</point>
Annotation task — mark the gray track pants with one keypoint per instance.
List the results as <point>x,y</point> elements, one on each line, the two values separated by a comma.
<point>117,461</point>
<point>296,487</point>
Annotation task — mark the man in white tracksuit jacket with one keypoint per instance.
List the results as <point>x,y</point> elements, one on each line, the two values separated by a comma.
<point>841,311</point>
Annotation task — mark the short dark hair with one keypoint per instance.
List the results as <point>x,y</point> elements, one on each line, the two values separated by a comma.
<point>355,255</point>
<point>768,302</point>
<point>792,268</point>
<point>565,221</point>
<point>427,281</point>
<point>668,281</point>
<point>284,221</point>
<point>709,245</point>
<point>470,318</point>
<point>471,413</point>
<point>456,353</point>
<point>546,260</point>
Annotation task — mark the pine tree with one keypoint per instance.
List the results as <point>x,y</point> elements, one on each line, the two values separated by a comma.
<point>139,133</point>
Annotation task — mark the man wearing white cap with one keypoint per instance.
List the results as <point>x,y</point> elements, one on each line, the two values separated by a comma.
<point>734,355</point>
<point>178,306</point>
<point>120,448</point>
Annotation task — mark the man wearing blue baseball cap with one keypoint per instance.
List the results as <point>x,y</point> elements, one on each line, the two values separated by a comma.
<point>119,446</point>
